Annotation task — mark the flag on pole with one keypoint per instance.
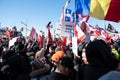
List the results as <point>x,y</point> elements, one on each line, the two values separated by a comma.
<point>67,15</point>
<point>62,18</point>
<point>49,37</point>
<point>100,9</point>
<point>79,33</point>
<point>41,40</point>
<point>33,33</point>
<point>66,4</point>
<point>82,10</point>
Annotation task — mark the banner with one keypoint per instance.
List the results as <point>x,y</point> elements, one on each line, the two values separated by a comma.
<point>64,29</point>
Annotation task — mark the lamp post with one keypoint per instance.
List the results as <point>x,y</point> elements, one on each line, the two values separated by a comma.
<point>25,25</point>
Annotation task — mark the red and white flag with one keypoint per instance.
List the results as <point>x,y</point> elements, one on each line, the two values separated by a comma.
<point>33,33</point>
<point>87,28</point>
<point>79,33</point>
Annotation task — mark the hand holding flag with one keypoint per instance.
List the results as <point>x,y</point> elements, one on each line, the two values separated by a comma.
<point>49,39</point>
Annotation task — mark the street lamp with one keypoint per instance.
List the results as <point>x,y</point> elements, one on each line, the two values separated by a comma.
<point>25,25</point>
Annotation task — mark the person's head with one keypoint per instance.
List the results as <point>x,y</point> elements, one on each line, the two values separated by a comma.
<point>65,65</point>
<point>19,47</point>
<point>57,56</point>
<point>51,49</point>
<point>6,54</point>
<point>98,54</point>
<point>40,53</point>
<point>58,48</point>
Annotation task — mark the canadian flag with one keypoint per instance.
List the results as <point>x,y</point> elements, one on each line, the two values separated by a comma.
<point>79,33</point>
<point>33,33</point>
<point>87,28</point>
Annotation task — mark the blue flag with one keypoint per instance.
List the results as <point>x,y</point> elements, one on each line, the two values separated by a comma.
<point>82,7</point>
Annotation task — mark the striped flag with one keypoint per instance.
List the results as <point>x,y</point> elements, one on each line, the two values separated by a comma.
<point>100,9</point>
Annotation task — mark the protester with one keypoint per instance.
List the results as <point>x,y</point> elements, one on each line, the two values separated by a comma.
<point>62,71</point>
<point>57,56</point>
<point>82,66</point>
<point>100,60</point>
<point>112,75</point>
<point>39,69</point>
<point>39,65</point>
<point>49,56</point>
<point>51,52</point>
<point>55,59</point>
<point>15,66</point>
<point>27,60</point>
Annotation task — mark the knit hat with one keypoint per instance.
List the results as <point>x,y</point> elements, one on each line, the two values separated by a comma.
<point>67,62</point>
<point>40,53</point>
<point>57,56</point>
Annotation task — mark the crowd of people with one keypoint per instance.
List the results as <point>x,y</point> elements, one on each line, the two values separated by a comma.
<point>27,60</point>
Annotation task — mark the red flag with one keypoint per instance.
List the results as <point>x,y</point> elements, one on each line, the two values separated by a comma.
<point>83,27</point>
<point>75,30</point>
<point>108,38</point>
<point>9,33</point>
<point>64,40</point>
<point>41,40</point>
<point>33,33</point>
<point>63,46</point>
<point>49,39</point>
<point>80,39</point>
